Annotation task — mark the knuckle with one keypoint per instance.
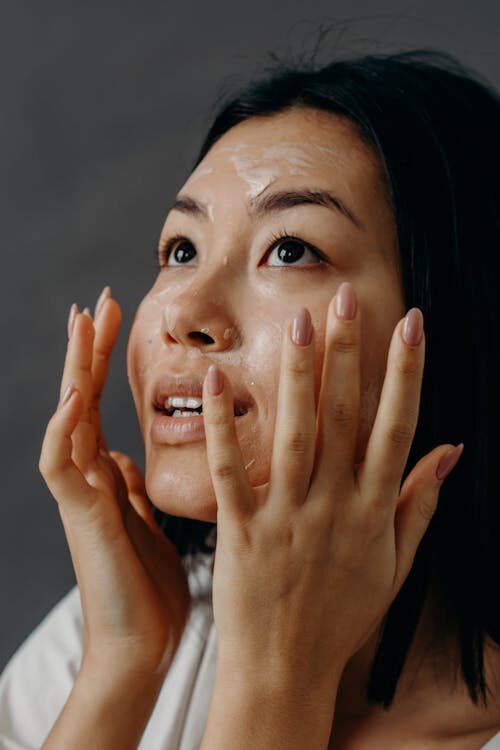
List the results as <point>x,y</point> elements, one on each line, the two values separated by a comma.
<point>298,442</point>
<point>45,467</point>
<point>224,470</point>
<point>399,433</point>
<point>44,463</point>
<point>341,412</point>
<point>101,354</point>
<point>408,364</point>
<point>343,345</point>
<point>218,420</point>
<point>427,507</point>
<point>298,366</point>
<point>375,516</point>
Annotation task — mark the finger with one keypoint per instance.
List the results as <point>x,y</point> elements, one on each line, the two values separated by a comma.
<point>131,473</point>
<point>230,480</point>
<point>63,478</point>
<point>101,442</point>
<point>78,370</point>
<point>417,504</point>
<point>135,486</point>
<point>295,428</point>
<point>106,324</point>
<point>393,431</point>
<point>338,407</point>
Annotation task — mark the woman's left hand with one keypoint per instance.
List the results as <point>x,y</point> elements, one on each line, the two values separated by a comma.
<point>307,565</point>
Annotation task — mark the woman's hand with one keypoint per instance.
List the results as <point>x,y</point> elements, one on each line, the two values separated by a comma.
<point>133,587</point>
<point>307,565</point>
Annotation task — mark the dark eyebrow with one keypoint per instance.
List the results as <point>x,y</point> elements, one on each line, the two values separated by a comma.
<point>274,202</point>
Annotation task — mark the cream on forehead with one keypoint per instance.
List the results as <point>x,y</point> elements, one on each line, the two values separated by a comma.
<point>259,166</point>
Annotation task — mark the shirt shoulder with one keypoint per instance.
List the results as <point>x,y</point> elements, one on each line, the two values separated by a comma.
<point>38,678</point>
<point>493,743</point>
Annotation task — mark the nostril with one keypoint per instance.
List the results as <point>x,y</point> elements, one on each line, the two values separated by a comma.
<point>199,336</point>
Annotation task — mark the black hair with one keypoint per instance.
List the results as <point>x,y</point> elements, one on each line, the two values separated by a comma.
<point>434,124</point>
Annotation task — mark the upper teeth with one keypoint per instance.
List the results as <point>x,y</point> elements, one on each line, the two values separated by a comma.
<point>180,401</point>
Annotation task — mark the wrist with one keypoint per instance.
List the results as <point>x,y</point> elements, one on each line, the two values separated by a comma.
<point>125,663</point>
<point>277,674</point>
<point>275,687</point>
<point>258,709</point>
<point>108,707</point>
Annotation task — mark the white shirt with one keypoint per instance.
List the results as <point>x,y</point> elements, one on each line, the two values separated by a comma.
<point>38,678</point>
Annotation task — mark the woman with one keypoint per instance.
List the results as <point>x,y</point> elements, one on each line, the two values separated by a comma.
<point>332,215</point>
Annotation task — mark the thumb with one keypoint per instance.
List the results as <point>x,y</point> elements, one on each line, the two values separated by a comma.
<point>136,487</point>
<point>418,500</point>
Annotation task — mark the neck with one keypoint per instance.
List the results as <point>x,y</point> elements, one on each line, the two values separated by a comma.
<point>430,697</point>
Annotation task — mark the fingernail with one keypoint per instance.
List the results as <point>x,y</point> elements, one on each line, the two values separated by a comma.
<point>449,461</point>
<point>71,318</point>
<point>67,393</point>
<point>413,327</point>
<point>106,292</point>
<point>86,311</point>
<point>215,381</point>
<point>302,327</point>
<point>345,301</point>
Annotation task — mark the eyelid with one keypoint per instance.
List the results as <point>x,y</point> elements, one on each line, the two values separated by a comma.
<point>166,246</point>
<point>275,239</point>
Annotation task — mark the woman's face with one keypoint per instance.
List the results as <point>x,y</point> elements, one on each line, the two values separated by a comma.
<point>227,291</point>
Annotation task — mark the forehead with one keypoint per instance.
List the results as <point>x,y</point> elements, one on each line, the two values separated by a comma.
<point>297,144</point>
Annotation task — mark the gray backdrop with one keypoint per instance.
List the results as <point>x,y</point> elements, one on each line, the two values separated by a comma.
<point>104,105</point>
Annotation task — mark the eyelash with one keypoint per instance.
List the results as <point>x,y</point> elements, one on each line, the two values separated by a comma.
<point>164,249</point>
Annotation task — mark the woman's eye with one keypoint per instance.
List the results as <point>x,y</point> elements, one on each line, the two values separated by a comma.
<point>289,251</point>
<point>177,250</point>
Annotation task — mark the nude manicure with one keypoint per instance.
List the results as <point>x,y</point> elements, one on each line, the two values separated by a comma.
<point>413,327</point>
<point>346,302</point>
<point>106,292</point>
<point>449,461</point>
<point>71,318</point>
<point>215,381</point>
<point>302,327</point>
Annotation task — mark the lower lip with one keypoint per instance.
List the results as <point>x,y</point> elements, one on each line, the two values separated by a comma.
<point>173,430</point>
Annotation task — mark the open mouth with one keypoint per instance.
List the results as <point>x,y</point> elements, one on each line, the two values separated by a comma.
<point>185,411</point>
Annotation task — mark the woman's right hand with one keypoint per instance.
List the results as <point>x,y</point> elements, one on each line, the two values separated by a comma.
<point>133,587</point>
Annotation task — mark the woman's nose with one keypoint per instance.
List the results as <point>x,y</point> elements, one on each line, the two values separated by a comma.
<point>195,321</point>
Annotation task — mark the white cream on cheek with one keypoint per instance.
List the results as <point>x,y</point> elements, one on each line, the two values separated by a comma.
<point>256,366</point>
<point>262,343</point>
<point>264,334</point>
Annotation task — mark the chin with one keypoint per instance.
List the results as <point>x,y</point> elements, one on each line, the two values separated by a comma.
<point>178,481</point>
<point>181,495</point>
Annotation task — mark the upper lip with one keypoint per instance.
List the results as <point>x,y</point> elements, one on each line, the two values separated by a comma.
<point>192,385</point>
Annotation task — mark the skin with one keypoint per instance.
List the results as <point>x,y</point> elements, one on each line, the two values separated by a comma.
<point>243,297</point>
<point>236,292</point>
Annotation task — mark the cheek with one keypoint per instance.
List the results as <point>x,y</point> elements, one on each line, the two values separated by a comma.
<point>135,357</point>
<point>144,331</point>
<point>372,373</point>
